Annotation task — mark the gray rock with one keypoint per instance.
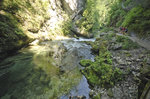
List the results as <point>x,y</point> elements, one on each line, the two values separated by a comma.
<point>102,34</point>
<point>148,95</point>
<point>148,61</point>
<point>128,59</point>
<point>92,93</point>
<point>77,97</point>
<point>121,62</point>
<point>81,97</point>
<point>110,32</point>
<point>117,46</point>
<point>117,92</point>
<point>114,39</point>
<point>132,59</point>
<point>109,92</point>
<point>129,63</point>
<point>61,69</point>
<point>138,60</point>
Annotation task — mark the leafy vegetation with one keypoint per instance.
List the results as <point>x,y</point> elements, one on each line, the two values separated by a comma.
<point>66,25</point>
<point>101,72</point>
<point>100,14</point>
<point>86,62</point>
<point>95,15</point>
<point>126,43</point>
<point>97,96</point>
<point>87,22</point>
<point>137,19</point>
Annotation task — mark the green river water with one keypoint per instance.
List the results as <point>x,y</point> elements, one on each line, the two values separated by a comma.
<point>49,70</point>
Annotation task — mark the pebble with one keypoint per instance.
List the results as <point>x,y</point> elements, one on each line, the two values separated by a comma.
<point>129,63</point>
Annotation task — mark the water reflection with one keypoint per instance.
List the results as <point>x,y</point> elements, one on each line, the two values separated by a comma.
<point>34,75</point>
<point>82,89</point>
<point>45,71</point>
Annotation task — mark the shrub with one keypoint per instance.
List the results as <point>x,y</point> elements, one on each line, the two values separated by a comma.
<point>66,26</point>
<point>86,62</point>
<point>132,16</point>
<point>126,43</point>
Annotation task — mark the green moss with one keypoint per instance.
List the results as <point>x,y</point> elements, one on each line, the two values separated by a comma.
<point>86,62</point>
<point>95,48</point>
<point>99,44</point>
<point>27,11</point>
<point>128,54</point>
<point>12,36</point>
<point>100,72</point>
<point>97,96</point>
<point>16,19</point>
<point>126,43</point>
<point>110,36</point>
<point>87,22</point>
<point>106,29</point>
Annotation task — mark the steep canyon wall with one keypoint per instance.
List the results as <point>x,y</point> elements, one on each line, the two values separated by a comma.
<point>23,21</point>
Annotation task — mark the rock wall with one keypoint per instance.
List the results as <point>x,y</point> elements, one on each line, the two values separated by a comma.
<point>23,21</point>
<point>72,6</point>
<point>18,20</point>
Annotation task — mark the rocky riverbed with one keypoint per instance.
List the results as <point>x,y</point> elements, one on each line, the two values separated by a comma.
<point>131,59</point>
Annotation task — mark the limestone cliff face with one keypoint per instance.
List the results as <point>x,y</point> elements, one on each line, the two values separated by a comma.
<point>36,19</point>
<point>72,6</point>
<point>61,14</point>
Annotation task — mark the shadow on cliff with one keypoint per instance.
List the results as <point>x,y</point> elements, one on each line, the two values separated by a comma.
<point>12,37</point>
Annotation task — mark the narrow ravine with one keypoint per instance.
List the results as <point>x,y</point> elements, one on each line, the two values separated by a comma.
<point>48,70</point>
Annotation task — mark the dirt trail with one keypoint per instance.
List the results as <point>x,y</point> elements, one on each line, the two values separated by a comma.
<point>141,42</point>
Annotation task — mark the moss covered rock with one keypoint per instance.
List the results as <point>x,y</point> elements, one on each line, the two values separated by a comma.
<point>86,63</point>
<point>101,72</point>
